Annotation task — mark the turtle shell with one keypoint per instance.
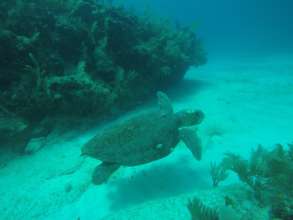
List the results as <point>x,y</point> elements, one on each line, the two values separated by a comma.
<point>136,140</point>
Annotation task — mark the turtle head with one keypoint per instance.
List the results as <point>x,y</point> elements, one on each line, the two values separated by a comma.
<point>189,117</point>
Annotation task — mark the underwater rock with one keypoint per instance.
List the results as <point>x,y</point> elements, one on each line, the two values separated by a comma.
<point>84,58</point>
<point>14,131</point>
<point>11,126</point>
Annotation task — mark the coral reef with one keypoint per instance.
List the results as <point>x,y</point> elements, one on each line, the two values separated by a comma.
<point>269,175</point>
<point>85,58</point>
<point>57,51</point>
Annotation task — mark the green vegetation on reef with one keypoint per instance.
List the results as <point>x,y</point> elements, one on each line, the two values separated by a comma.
<point>269,174</point>
<point>84,58</point>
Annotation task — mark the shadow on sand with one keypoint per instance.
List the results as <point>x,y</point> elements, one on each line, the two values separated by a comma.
<point>158,181</point>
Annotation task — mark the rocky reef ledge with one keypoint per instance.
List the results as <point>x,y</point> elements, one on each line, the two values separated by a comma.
<point>83,59</point>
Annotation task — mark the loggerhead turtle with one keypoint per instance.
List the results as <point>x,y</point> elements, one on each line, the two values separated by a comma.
<point>142,138</point>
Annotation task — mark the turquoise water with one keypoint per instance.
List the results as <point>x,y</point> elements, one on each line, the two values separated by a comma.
<point>79,86</point>
<point>241,27</point>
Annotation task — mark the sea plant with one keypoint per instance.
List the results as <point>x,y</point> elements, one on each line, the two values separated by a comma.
<point>269,173</point>
<point>199,211</point>
<point>218,173</point>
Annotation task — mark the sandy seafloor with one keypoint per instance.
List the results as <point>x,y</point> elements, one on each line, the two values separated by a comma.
<point>247,102</point>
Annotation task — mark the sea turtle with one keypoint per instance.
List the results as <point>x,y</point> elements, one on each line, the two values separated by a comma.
<point>142,138</point>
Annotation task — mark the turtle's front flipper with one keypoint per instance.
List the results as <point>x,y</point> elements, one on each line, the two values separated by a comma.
<point>164,103</point>
<point>192,141</point>
<point>103,171</point>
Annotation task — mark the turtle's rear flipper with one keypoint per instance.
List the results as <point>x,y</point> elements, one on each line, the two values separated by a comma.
<point>103,171</point>
<point>192,141</point>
